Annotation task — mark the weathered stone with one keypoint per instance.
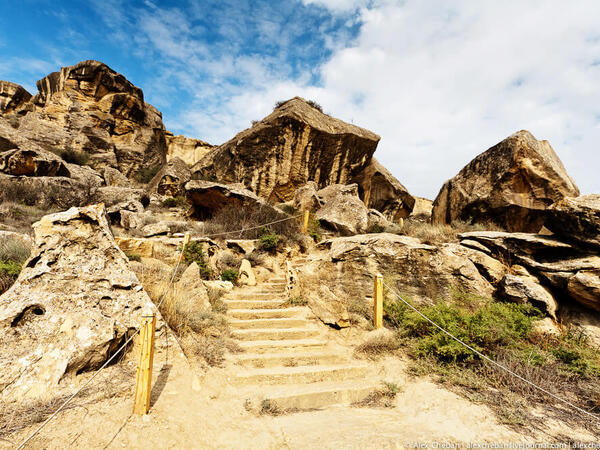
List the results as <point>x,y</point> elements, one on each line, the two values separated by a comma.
<point>155,229</point>
<point>306,198</point>
<point>525,288</point>
<point>421,210</point>
<point>342,210</point>
<point>217,288</point>
<point>511,185</point>
<point>207,198</point>
<point>71,307</point>
<point>188,149</point>
<point>12,96</point>
<point>171,179</point>
<point>576,219</point>
<point>380,190</point>
<point>377,221</point>
<point>296,143</point>
<point>584,288</point>
<point>136,246</point>
<point>118,213</point>
<point>246,274</point>
<point>190,287</point>
<point>112,195</point>
<point>90,108</point>
<point>112,177</point>
<point>246,246</point>
<point>492,269</point>
<point>328,308</point>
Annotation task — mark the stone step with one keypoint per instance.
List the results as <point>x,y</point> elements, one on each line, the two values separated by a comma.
<point>277,313</point>
<point>259,360</point>
<point>253,304</point>
<point>268,323</point>
<point>249,295</point>
<point>289,345</point>
<point>262,334</point>
<point>315,395</point>
<point>302,374</point>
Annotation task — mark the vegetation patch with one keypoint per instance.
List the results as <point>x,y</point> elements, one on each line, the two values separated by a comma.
<point>194,252</point>
<point>435,233</point>
<point>230,275</point>
<point>380,398</point>
<point>565,365</point>
<point>145,174</point>
<point>73,156</point>
<point>13,254</point>
<point>269,240</point>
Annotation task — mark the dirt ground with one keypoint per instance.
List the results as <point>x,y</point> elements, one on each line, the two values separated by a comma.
<point>191,411</point>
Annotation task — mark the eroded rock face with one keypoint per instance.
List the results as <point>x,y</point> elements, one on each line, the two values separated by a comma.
<point>90,108</point>
<point>294,144</point>
<point>12,96</point>
<point>187,149</point>
<point>380,190</point>
<point>511,185</point>
<point>576,218</point>
<point>72,305</point>
<point>342,210</point>
<point>171,179</point>
<point>521,287</point>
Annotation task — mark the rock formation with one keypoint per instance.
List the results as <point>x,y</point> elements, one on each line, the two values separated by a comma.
<point>511,185</point>
<point>381,191</point>
<point>296,143</point>
<point>576,219</point>
<point>72,306</point>
<point>171,179</point>
<point>89,108</point>
<point>342,210</point>
<point>187,149</point>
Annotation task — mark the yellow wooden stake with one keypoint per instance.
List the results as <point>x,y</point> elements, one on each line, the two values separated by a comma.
<point>306,215</point>
<point>378,301</point>
<point>143,381</point>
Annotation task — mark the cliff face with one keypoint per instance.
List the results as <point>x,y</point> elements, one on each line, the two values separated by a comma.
<point>189,150</point>
<point>89,108</point>
<point>511,185</point>
<point>294,144</point>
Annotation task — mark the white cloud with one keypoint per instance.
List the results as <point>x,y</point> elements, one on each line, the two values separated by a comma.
<point>442,82</point>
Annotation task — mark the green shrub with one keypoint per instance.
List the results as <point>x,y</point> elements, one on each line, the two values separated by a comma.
<point>269,240</point>
<point>10,268</point>
<point>315,105</point>
<point>75,156</point>
<point>145,174</point>
<point>230,275</point>
<point>171,202</point>
<point>133,257</point>
<point>194,252</point>
<point>376,228</point>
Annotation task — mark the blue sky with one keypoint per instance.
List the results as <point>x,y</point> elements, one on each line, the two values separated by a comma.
<point>440,81</point>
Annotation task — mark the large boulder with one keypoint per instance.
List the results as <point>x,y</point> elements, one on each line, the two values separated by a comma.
<point>576,218</point>
<point>510,185</point>
<point>12,96</point>
<point>521,287</point>
<point>171,178</point>
<point>189,150</point>
<point>74,303</point>
<point>342,210</point>
<point>207,197</point>
<point>380,190</point>
<point>294,144</point>
<point>89,108</point>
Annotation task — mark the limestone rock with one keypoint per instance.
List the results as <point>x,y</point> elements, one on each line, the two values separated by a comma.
<point>306,198</point>
<point>377,221</point>
<point>12,96</point>
<point>525,288</point>
<point>511,185</point>
<point>155,229</point>
<point>112,177</point>
<point>188,149</point>
<point>217,288</point>
<point>296,143</point>
<point>245,246</point>
<point>576,219</point>
<point>90,108</point>
<point>328,308</point>
<point>380,190</point>
<point>246,274</point>
<point>136,246</point>
<point>342,210</point>
<point>492,269</point>
<point>191,288</point>
<point>120,212</point>
<point>171,179</point>
<point>421,210</point>
<point>207,197</point>
<point>584,288</point>
<point>72,305</point>
<point>112,195</point>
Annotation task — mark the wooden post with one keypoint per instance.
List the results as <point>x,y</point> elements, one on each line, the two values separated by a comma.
<point>378,301</point>
<point>306,215</point>
<point>143,382</point>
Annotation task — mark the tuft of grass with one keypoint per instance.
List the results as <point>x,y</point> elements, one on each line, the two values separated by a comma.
<point>379,345</point>
<point>13,254</point>
<point>297,301</point>
<point>172,202</point>
<point>269,240</point>
<point>269,407</point>
<point>380,398</point>
<point>72,156</point>
<point>194,252</point>
<point>433,234</point>
<point>133,257</point>
<point>230,275</point>
<point>145,174</point>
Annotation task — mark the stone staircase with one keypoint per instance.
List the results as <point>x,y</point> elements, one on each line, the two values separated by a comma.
<point>287,358</point>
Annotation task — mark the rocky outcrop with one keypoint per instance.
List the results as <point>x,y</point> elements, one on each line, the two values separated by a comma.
<point>171,179</point>
<point>246,274</point>
<point>12,97</point>
<point>342,210</point>
<point>422,210</point>
<point>381,191</point>
<point>511,184</point>
<point>294,144</point>
<point>74,303</point>
<point>570,271</point>
<point>187,149</point>
<point>207,198</point>
<point>576,219</point>
<point>89,108</point>
<point>521,287</point>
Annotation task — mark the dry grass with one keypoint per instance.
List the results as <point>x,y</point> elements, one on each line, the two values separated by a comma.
<point>434,234</point>
<point>19,217</point>
<point>380,398</point>
<point>378,345</point>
